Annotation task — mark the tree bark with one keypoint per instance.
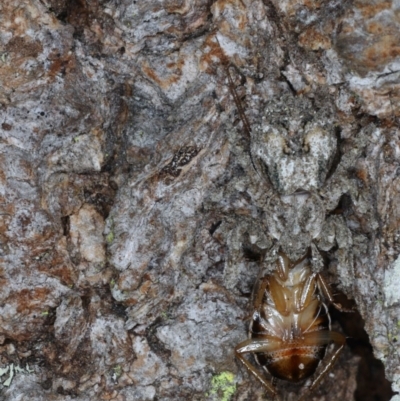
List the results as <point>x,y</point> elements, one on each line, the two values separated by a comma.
<point>134,211</point>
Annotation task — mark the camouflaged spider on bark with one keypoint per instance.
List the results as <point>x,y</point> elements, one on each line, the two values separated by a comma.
<point>294,150</point>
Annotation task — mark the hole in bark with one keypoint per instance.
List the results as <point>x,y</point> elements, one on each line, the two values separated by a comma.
<point>214,227</point>
<point>371,382</point>
<point>155,344</point>
<point>338,154</point>
<point>47,384</point>
<point>65,225</point>
<point>251,251</point>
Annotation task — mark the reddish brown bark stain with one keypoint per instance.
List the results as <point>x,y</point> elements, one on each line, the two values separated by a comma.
<point>56,267</point>
<point>371,10</point>
<point>167,82</point>
<point>381,53</point>
<point>314,40</point>
<point>23,47</point>
<point>29,300</point>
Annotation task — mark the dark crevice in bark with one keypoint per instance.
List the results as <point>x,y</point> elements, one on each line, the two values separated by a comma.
<point>371,382</point>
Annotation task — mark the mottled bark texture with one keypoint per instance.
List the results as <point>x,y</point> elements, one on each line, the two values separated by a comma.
<point>128,194</point>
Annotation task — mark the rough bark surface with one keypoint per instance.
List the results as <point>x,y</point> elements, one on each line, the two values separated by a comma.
<point>129,203</point>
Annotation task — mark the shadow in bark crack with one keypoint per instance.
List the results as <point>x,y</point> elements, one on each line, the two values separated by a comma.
<point>371,382</point>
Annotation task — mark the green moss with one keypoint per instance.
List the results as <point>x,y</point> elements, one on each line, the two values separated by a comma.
<point>110,237</point>
<point>223,385</point>
<point>117,370</point>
